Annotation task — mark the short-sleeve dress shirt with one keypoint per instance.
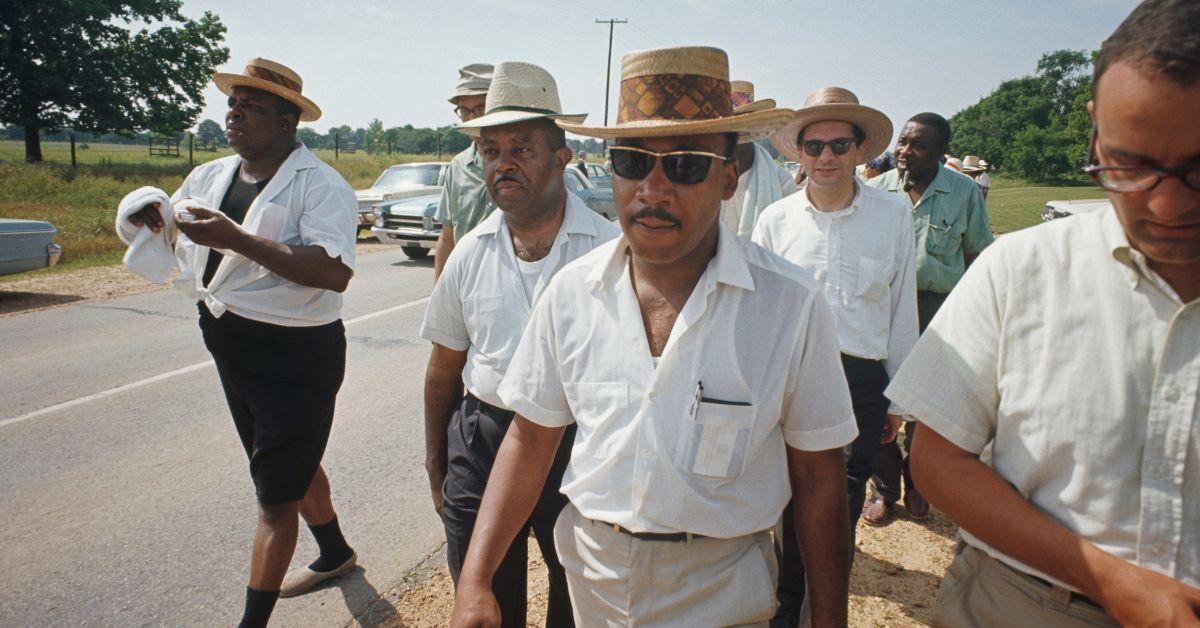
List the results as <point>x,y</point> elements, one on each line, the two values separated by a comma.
<point>949,219</point>
<point>1074,370</point>
<point>862,256</point>
<point>307,203</point>
<point>465,200</point>
<point>479,304</point>
<point>698,443</point>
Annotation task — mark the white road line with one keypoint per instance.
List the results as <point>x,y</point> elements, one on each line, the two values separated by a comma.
<point>177,372</point>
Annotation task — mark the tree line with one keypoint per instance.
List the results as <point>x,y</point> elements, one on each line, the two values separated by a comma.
<point>1035,126</point>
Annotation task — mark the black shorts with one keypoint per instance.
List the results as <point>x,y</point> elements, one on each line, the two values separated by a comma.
<point>281,384</point>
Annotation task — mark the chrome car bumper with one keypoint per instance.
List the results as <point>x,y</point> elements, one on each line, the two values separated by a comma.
<point>423,238</point>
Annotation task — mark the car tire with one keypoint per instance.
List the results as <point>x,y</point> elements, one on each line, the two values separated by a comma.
<point>415,252</point>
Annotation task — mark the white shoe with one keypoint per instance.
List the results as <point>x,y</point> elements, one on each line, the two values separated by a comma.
<point>299,581</point>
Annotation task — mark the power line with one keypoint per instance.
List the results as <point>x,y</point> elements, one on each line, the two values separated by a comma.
<point>608,68</point>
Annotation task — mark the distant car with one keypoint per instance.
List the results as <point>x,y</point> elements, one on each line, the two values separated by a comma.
<point>397,182</point>
<point>410,223</point>
<point>27,245</point>
<point>1062,209</point>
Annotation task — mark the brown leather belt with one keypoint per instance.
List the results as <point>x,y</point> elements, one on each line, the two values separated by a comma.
<point>674,537</point>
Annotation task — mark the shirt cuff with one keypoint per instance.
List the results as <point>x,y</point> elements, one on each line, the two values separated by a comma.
<point>934,419</point>
<point>535,413</point>
<point>446,340</point>
<point>833,437</point>
<point>337,251</point>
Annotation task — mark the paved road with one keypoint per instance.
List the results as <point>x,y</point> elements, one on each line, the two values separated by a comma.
<point>125,495</point>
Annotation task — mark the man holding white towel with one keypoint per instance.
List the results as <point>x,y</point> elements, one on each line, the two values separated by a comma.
<point>760,180</point>
<point>265,246</point>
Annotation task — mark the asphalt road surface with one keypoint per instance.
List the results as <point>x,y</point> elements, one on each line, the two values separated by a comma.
<point>125,493</point>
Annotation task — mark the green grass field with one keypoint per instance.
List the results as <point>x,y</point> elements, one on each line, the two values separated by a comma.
<point>82,203</point>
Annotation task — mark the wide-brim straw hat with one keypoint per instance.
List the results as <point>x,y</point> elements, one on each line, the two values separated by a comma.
<point>841,105</point>
<point>972,163</point>
<point>742,93</point>
<point>519,92</point>
<point>473,80</point>
<point>272,77</point>
<point>680,91</point>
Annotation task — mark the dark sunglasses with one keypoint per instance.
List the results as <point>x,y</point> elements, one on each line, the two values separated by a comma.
<point>686,167</point>
<point>840,146</point>
<point>1137,178</point>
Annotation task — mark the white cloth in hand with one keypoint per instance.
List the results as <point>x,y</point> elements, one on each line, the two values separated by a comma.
<point>150,254</point>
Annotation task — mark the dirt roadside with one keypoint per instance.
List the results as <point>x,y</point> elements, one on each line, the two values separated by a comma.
<point>43,290</point>
<point>894,582</point>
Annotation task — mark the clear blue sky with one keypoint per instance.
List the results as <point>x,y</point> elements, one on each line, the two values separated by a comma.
<point>398,61</point>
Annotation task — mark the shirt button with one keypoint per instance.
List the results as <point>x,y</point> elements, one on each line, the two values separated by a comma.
<point>653,395</point>
<point>1171,394</point>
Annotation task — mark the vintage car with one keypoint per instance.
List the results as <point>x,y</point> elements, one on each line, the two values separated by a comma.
<point>410,223</point>
<point>397,182</point>
<point>1062,209</point>
<point>27,245</point>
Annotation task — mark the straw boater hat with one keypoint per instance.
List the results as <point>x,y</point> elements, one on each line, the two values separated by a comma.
<point>519,92</point>
<point>679,91</point>
<point>972,163</point>
<point>473,80</point>
<point>835,103</point>
<point>271,77</point>
<point>743,98</point>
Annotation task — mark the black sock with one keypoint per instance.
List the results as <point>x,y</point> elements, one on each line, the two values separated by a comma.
<point>331,543</point>
<point>259,605</point>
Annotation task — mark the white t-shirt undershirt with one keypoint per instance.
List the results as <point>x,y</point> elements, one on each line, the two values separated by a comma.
<point>530,272</point>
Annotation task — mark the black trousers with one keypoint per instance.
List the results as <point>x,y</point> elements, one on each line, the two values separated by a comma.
<point>867,380</point>
<point>475,433</point>
<point>281,384</point>
<point>892,470</point>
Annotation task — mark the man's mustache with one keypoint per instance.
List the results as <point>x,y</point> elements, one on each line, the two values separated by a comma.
<point>501,178</point>
<point>656,213</point>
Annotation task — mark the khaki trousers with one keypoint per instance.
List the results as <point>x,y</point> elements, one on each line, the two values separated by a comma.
<point>979,590</point>
<point>618,580</point>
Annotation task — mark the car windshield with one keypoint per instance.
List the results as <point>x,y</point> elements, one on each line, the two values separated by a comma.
<point>397,176</point>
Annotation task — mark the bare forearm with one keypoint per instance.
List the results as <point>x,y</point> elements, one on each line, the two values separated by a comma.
<point>306,265</point>
<point>443,391</point>
<point>441,251</point>
<point>984,504</point>
<point>513,487</point>
<point>823,531</point>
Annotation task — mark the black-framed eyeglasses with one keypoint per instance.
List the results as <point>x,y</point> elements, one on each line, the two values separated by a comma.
<point>839,146</point>
<point>686,167</point>
<point>475,111</point>
<point>1137,178</point>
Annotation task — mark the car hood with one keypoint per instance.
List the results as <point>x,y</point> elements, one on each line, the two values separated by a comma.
<point>392,193</point>
<point>424,205</point>
<point>18,225</point>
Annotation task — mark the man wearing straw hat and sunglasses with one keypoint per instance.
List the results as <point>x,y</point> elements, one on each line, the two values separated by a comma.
<point>702,374</point>
<point>1059,386</point>
<point>265,247</point>
<point>491,283</point>
<point>857,241</point>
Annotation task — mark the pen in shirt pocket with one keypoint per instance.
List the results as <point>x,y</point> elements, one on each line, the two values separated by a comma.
<point>696,400</point>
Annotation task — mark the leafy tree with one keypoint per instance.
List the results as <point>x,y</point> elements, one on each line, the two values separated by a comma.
<point>210,131</point>
<point>79,63</point>
<point>310,138</point>
<point>373,138</point>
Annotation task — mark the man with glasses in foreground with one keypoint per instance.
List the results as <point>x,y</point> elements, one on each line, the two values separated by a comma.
<point>857,243</point>
<point>951,226</point>
<point>1070,354</point>
<point>702,374</point>
<point>465,201</point>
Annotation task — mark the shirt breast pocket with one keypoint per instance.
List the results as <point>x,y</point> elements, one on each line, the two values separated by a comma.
<point>719,438</point>
<point>942,240</point>
<point>874,276</point>
<point>487,329</point>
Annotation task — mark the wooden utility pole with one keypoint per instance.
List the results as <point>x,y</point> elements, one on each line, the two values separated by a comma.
<point>608,68</point>
<point>72,151</point>
<point>336,144</point>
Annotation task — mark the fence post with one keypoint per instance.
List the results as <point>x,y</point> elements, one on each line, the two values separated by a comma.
<point>439,136</point>
<point>191,146</point>
<point>337,144</point>
<point>72,151</point>
<point>151,144</point>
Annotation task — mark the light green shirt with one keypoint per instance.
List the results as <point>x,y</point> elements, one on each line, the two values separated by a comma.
<point>949,219</point>
<point>465,201</point>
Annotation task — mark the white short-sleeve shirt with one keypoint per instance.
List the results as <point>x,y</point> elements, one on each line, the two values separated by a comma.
<point>480,303</point>
<point>1074,370</point>
<point>696,444</point>
<point>307,203</point>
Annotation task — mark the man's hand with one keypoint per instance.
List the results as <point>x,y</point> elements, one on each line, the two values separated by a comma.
<point>475,605</point>
<point>891,428</point>
<point>1136,596</point>
<point>212,229</point>
<point>150,216</point>
<point>437,477</point>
